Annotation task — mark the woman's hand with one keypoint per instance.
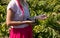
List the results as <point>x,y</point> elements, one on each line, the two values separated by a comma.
<point>41,17</point>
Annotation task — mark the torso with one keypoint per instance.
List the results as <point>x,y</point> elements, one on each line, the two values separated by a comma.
<point>18,15</point>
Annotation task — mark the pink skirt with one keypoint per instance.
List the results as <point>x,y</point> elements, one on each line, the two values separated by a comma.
<point>21,32</point>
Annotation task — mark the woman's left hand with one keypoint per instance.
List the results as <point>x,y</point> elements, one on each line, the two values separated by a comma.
<point>41,17</point>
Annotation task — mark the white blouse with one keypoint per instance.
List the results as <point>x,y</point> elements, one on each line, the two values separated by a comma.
<point>18,13</point>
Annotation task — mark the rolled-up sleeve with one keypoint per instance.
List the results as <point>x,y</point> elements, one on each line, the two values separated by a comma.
<point>11,5</point>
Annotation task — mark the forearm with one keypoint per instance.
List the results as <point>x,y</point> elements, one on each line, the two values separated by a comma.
<point>19,22</point>
<point>15,23</point>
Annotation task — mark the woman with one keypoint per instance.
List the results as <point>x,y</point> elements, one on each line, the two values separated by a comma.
<point>18,18</point>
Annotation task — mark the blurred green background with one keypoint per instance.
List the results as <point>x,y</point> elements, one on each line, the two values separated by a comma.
<point>48,28</point>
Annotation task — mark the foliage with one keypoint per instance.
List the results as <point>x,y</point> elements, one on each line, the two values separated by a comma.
<point>48,28</point>
<point>3,26</point>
